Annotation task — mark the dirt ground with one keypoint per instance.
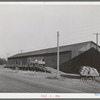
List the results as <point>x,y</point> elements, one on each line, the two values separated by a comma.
<point>67,83</point>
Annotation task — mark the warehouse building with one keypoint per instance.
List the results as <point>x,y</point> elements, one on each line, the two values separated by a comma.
<point>71,56</point>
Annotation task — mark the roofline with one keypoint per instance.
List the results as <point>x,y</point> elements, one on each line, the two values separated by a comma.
<point>37,54</point>
<point>95,43</point>
<point>50,48</point>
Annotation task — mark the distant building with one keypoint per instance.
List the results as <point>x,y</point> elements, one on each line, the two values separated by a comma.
<point>71,56</point>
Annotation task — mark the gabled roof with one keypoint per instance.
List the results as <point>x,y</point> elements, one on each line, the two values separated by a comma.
<point>51,50</point>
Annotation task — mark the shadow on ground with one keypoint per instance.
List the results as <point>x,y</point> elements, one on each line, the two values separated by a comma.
<point>71,76</point>
<point>52,77</point>
<point>65,76</point>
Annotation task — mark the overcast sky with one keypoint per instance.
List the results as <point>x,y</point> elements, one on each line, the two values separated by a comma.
<point>34,27</point>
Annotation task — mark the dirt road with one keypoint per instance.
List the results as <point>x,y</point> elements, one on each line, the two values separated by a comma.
<point>32,82</point>
<point>16,82</point>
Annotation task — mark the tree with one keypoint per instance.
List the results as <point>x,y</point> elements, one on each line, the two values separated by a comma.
<point>2,61</point>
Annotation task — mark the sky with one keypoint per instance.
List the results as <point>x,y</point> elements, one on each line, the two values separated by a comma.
<point>34,27</point>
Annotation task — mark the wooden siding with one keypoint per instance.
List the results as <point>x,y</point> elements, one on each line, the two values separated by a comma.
<point>51,59</point>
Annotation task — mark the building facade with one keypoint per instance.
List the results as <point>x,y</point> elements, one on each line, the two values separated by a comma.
<point>67,53</point>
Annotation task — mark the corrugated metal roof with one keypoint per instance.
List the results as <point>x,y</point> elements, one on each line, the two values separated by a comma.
<point>51,50</point>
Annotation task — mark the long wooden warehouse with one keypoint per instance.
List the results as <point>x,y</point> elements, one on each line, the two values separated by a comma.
<point>71,56</point>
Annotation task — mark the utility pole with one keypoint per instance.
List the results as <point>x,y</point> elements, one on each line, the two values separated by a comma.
<point>57,54</point>
<point>96,39</point>
<point>21,51</point>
